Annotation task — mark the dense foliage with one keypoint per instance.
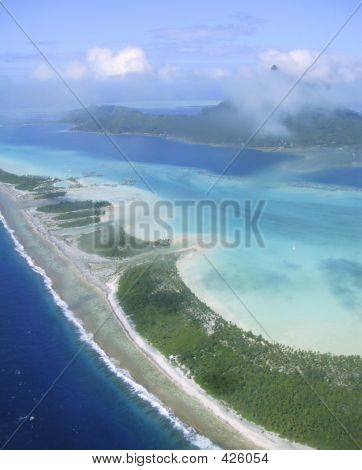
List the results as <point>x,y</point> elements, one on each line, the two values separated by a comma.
<point>79,214</point>
<point>70,206</point>
<point>80,222</point>
<point>24,182</point>
<point>75,213</point>
<point>228,124</point>
<point>50,194</point>
<point>270,384</point>
<point>111,241</point>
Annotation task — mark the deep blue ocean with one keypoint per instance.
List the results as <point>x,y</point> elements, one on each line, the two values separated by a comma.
<point>88,408</point>
<point>309,273</point>
<point>142,149</point>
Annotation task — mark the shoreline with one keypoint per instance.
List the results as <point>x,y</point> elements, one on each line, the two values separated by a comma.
<point>252,435</point>
<point>273,149</point>
<point>87,337</point>
<point>184,140</point>
<point>258,435</point>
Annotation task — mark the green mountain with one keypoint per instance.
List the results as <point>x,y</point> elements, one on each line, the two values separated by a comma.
<point>226,124</point>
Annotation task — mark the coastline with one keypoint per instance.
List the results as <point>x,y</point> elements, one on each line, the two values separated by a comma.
<point>128,350</point>
<point>261,438</point>
<point>297,150</point>
<point>184,140</point>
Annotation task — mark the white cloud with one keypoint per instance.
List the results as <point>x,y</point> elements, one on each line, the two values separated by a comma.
<point>75,70</point>
<point>330,68</point>
<point>43,72</point>
<point>168,72</point>
<point>106,63</point>
<point>217,73</point>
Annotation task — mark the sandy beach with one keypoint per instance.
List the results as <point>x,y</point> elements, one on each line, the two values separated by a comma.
<point>94,303</point>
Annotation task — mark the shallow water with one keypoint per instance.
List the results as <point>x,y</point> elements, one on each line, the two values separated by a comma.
<point>304,286</point>
<point>89,408</point>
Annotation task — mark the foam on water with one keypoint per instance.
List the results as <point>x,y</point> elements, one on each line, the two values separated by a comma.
<point>312,234</point>
<point>190,434</point>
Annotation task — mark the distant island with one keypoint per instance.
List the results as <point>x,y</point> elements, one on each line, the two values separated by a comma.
<point>227,124</point>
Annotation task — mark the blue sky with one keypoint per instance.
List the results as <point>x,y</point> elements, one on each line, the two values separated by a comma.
<point>117,50</point>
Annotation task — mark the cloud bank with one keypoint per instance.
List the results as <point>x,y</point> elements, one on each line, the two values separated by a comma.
<point>105,63</point>
<point>330,68</point>
<point>133,73</point>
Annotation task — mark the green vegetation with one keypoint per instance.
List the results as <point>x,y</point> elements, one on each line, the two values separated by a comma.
<point>79,214</point>
<point>327,128</point>
<point>162,243</point>
<point>75,213</point>
<point>42,187</point>
<point>25,182</point>
<point>110,241</point>
<point>70,206</point>
<point>258,379</point>
<point>82,222</point>
<point>50,195</point>
<point>227,124</point>
<point>113,242</point>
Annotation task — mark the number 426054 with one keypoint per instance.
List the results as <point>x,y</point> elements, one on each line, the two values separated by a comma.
<point>241,457</point>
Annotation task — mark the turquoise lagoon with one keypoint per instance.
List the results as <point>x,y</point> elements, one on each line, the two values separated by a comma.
<point>304,286</point>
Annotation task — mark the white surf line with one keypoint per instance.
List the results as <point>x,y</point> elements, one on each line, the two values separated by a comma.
<point>189,433</point>
<point>252,432</point>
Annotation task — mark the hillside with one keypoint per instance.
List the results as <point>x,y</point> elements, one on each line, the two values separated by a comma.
<point>226,124</point>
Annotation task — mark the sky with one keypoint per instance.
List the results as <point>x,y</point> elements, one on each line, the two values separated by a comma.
<point>120,51</point>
